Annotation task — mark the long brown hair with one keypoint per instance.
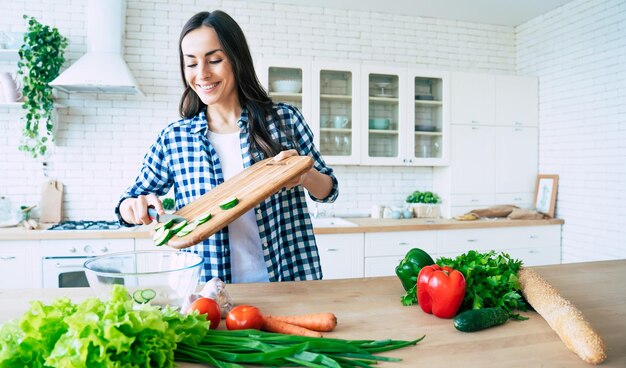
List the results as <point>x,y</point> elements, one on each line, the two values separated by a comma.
<point>251,93</point>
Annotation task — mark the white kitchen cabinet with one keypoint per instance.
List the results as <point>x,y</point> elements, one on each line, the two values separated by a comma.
<point>272,72</point>
<point>428,118</point>
<point>472,98</point>
<point>341,255</point>
<point>384,251</point>
<point>517,156</point>
<point>494,153</point>
<point>384,111</point>
<point>337,122</point>
<point>533,245</point>
<point>16,260</point>
<point>516,101</point>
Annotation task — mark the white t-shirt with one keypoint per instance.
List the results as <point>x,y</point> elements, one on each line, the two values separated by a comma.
<point>246,255</point>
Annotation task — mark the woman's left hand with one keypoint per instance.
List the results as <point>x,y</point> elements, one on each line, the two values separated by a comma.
<point>300,179</point>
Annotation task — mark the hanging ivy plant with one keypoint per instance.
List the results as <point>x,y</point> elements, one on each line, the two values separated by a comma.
<point>40,60</point>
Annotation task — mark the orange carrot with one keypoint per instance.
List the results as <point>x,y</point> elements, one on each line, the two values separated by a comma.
<point>273,325</point>
<point>315,321</point>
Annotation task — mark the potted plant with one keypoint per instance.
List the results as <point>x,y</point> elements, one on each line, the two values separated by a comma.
<point>40,60</point>
<point>424,204</point>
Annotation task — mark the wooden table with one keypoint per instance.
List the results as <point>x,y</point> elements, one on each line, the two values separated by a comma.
<point>369,308</point>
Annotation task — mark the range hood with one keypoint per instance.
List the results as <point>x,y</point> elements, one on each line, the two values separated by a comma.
<point>102,69</point>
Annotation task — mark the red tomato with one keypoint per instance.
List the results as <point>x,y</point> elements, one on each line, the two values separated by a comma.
<point>209,307</point>
<point>244,317</point>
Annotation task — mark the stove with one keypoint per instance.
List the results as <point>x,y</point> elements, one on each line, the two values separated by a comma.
<point>86,225</point>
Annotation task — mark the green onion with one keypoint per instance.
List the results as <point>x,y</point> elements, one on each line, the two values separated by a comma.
<point>230,349</point>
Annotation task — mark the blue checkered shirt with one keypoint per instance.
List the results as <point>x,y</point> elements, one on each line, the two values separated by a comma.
<point>183,157</point>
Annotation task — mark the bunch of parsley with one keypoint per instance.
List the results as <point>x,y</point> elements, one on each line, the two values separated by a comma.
<point>491,280</point>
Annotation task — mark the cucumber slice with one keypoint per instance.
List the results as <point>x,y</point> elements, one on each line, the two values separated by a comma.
<point>187,229</point>
<point>176,228</point>
<point>166,225</point>
<point>158,233</point>
<point>148,294</point>
<point>229,203</point>
<point>138,298</point>
<point>203,218</point>
<point>167,235</point>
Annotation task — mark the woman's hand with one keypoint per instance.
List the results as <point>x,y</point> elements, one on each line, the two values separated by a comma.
<point>283,156</point>
<point>135,210</point>
<point>318,184</point>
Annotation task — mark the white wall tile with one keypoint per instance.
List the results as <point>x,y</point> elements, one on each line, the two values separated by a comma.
<point>103,138</point>
<point>577,51</point>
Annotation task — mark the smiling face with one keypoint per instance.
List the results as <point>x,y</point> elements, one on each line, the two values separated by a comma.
<point>207,69</point>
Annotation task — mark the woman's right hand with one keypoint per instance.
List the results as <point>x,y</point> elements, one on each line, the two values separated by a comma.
<point>135,210</point>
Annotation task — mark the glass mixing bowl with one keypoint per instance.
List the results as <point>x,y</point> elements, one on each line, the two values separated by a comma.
<point>155,277</point>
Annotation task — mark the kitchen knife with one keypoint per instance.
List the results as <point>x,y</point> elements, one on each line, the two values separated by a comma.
<point>164,217</point>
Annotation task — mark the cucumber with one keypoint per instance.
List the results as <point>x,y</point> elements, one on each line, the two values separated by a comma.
<point>165,236</point>
<point>176,228</point>
<point>143,296</point>
<point>138,298</point>
<point>167,224</point>
<point>187,229</point>
<point>148,294</point>
<point>480,319</point>
<point>158,234</point>
<point>203,218</point>
<point>229,203</point>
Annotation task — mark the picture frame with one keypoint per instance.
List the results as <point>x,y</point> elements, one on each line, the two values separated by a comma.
<point>545,194</point>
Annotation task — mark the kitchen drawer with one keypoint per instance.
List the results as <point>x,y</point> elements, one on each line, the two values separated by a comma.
<point>341,255</point>
<point>536,256</point>
<point>16,264</point>
<point>85,247</point>
<point>399,243</point>
<point>476,200</point>
<point>460,241</point>
<point>381,266</point>
<point>531,237</point>
<point>521,200</point>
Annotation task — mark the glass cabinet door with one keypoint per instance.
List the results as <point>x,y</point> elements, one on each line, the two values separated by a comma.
<point>427,117</point>
<point>285,85</point>
<point>336,107</point>
<point>429,124</point>
<point>384,123</point>
<point>287,81</point>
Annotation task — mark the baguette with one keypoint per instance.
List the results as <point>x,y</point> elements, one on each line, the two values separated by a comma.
<point>563,317</point>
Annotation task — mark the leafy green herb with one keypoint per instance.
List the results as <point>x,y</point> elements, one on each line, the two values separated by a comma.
<point>422,197</point>
<point>491,280</point>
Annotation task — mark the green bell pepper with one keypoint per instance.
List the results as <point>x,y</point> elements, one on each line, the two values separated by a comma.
<point>408,269</point>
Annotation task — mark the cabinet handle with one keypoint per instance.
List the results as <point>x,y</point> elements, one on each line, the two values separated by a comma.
<point>332,249</point>
<point>474,121</point>
<point>517,123</point>
<point>533,251</point>
<point>7,258</point>
<point>517,198</point>
<point>475,128</point>
<point>473,200</point>
<point>472,240</point>
<point>403,244</point>
<point>518,129</point>
<point>533,237</point>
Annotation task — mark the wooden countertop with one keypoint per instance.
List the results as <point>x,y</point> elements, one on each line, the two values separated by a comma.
<point>369,308</point>
<point>364,225</point>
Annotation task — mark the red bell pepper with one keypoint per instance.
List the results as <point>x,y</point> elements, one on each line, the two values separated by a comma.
<point>440,291</point>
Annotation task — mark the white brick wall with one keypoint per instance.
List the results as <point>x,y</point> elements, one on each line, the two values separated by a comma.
<point>579,53</point>
<point>102,138</point>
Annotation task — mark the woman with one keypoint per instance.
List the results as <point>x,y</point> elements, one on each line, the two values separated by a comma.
<point>228,123</point>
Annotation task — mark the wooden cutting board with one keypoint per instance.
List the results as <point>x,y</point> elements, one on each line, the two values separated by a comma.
<point>251,187</point>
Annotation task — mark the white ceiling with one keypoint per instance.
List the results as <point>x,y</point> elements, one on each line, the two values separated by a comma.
<point>500,12</point>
